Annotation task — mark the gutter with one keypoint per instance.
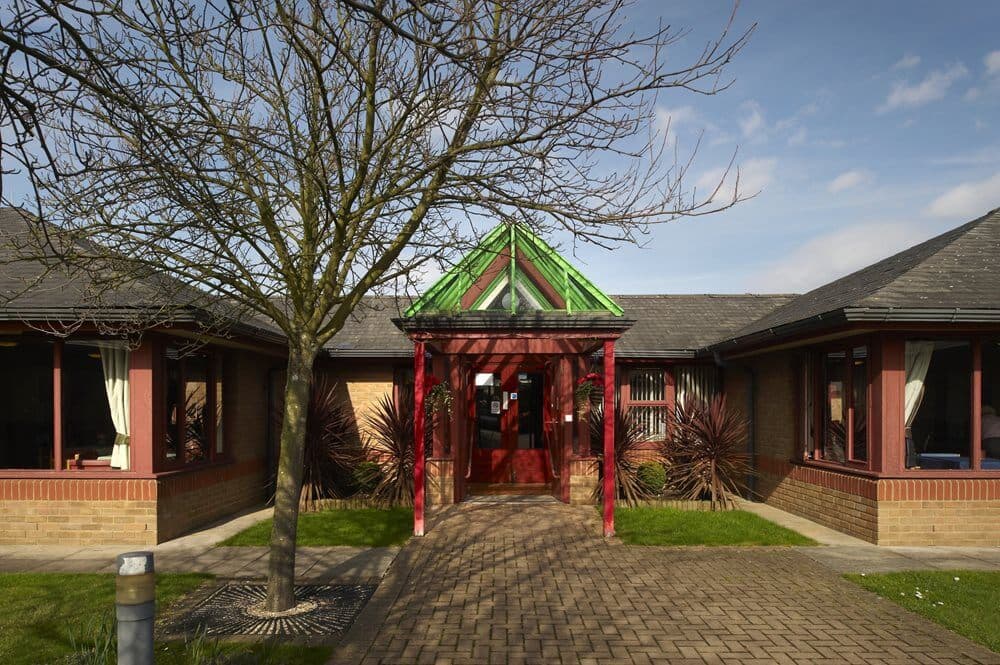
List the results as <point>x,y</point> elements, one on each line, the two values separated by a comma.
<point>862,314</point>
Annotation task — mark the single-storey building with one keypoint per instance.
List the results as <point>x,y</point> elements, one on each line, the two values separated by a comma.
<point>872,399</point>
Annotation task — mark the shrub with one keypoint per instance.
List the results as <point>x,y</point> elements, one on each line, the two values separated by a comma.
<point>391,425</point>
<point>706,452</point>
<point>653,477</point>
<point>332,446</point>
<point>629,434</point>
<point>367,475</point>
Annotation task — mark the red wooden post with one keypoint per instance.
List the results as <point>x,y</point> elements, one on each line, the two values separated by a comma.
<point>57,404</point>
<point>418,439</point>
<point>609,438</point>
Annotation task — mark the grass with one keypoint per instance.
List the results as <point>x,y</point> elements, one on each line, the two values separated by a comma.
<point>44,613</point>
<point>670,526</point>
<point>363,527</point>
<point>964,601</point>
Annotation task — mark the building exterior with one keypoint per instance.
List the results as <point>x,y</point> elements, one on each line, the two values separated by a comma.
<point>872,399</point>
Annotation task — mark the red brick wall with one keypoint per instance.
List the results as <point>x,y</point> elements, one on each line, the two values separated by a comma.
<point>77,511</point>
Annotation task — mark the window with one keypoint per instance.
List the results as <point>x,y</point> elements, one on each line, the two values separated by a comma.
<point>26,409</point>
<point>88,429</point>
<point>990,418</point>
<point>193,406</point>
<point>696,382</point>
<point>646,399</point>
<point>844,425</point>
<point>807,416</point>
<point>937,404</point>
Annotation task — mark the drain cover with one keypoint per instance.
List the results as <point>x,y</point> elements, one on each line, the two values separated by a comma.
<point>322,610</point>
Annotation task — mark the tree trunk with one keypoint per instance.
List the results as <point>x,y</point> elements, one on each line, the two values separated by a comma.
<point>288,487</point>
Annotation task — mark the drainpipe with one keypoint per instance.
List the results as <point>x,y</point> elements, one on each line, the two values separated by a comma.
<point>752,428</point>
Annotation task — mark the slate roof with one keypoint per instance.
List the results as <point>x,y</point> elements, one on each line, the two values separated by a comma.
<point>30,292</point>
<point>664,325</point>
<point>679,325</point>
<point>952,277</point>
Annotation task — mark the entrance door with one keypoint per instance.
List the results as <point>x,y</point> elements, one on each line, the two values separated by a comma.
<point>509,445</point>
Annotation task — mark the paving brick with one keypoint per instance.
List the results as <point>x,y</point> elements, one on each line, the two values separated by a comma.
<point>534,583</point>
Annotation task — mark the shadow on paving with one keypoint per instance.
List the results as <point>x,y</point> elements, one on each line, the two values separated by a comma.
<point>529,583</point>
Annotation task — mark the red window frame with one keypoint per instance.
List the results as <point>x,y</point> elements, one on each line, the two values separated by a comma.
<point>625,394</point>
<point>215,360</point>
<point>820,398</point>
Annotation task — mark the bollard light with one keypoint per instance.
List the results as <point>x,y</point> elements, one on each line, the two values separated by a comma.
<point>135,607</point>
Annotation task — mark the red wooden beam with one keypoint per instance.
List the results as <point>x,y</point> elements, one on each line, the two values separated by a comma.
<point>977,405</point>
<point>418,439</point>
<point>57,404</point>
<point>609,438</point>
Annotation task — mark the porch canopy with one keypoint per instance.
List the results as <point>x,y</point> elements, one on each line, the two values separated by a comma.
<point>509,333</point>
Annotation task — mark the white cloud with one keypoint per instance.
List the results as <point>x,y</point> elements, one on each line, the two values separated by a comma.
<point>968,200</point>
<point>752,125</point>
<point>834,255</point>
<point>934,87</point>
<point>753,176</point>
<point>908,61</point>
<point>669,119</point>
<point>972,94</point>
<point>848,180</point>
<point>992,62</point>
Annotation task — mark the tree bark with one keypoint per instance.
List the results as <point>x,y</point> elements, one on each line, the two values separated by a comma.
<point>288,487</point>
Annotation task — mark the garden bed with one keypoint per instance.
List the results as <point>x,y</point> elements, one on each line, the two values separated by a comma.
<point>359,527</point>
<point>670,526</point>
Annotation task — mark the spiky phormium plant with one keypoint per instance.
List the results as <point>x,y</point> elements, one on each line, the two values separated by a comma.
<point>706,452</point>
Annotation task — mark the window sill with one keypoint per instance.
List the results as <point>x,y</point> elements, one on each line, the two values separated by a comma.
<point>180,469</point>
<point>912,474</point>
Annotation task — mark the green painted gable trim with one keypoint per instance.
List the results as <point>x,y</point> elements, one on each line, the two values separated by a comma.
<point>578,292</point>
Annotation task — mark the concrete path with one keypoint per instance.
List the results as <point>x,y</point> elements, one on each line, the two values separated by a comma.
<point>196,553</point>
<point>524,582</point>
<point>847,554</point>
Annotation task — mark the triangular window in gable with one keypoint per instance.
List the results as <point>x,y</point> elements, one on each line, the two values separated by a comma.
<point>498,296</point>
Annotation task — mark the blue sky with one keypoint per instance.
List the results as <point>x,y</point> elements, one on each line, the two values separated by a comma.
<point>866,126</point>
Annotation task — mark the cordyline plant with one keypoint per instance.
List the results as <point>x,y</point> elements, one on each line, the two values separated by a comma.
<point>391,429</point>
<point>629,434</point>
<point>332,446</point>
<point>292,157</point>
<point>705,452</point>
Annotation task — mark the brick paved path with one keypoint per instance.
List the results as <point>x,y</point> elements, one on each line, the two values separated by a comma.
<point>530,583</point>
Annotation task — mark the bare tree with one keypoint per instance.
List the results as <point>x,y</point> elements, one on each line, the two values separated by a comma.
<point>292,157</point>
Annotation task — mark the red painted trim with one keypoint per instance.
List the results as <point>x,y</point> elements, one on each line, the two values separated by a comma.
<point>456,426</point>
<point>478,288</point>
<point>977,405</point>
<point>540,282</point>
<point>609,438</point>
<point>57,406</point>
<point>141,408</point>
<point>523,346</point>
<point>418,438</point>
<point>499,335</point>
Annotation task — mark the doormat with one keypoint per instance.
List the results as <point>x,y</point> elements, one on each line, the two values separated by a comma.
<point>237,609</point>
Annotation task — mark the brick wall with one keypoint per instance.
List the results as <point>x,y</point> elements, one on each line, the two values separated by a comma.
<point>77,511</point>
<point>362,384</point>
<point>583,477</point>
<point>884,511</point>
<point>939,512</point>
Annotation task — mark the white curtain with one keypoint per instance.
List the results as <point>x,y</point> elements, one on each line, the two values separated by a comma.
<point>918,359</point>
<point>115,360</point>
<point>696,382</point>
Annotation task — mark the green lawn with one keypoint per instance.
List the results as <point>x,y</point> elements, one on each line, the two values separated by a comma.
<point>43,614</point>
<point>364,527</point>
<point>670,526</point>
<point>967,602</point>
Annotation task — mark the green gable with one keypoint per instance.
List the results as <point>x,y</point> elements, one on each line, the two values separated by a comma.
<point>513,270</point>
